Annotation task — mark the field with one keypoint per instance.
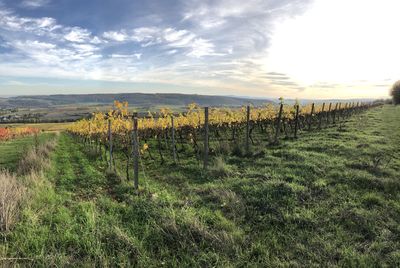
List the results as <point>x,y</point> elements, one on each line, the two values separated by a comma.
<point>329,198</point>
<point>46,127</point>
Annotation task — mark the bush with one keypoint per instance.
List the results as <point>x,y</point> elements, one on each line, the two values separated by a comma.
<point>395,92</point>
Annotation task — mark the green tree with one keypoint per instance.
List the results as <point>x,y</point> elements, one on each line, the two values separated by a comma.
<point>395,92</point>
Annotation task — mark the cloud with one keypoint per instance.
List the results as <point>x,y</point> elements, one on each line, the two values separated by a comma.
<point>78,35</point>
<point>224,44</point>
<point>125,56</point>
<point>34,3</point>
<point>39,26</point>
<point>119,36</point>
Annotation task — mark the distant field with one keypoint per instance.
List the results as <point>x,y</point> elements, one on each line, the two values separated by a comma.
<point>47,127</point>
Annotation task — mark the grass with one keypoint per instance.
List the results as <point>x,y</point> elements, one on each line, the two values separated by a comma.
<point>12,151</point>
<point>331,198</point>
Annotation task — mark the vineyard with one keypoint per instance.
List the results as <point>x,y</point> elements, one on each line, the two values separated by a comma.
<point>12,133</point>
<point>283,186</point>
<point>200,133</point>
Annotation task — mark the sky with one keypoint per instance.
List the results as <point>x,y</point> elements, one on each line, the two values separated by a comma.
<point>261,48</point>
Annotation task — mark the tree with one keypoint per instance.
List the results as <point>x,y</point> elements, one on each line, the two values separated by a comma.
<point>395,92</point>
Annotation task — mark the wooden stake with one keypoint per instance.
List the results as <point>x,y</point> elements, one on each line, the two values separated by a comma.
<point>311,115</point>
<point>321,114</point>
<point>173,138</point>
<point>206,138</point>
<point>328,113</point>
<point>278,124</point>
<point>135,153</point>
<point>247,129</point>
<point>296,122</point>
<point>110,141</point>
<point>334,113</point>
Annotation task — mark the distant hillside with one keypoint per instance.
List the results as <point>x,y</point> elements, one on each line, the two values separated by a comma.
<point>134,99</point>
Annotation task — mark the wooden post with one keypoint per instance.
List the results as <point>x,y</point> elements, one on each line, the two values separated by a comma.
<point>247,129</point>
<point>328,113</point>
<point>110,141</point>
<point>135,153</point>
<point>173,138</point>
<point>205,138</point>
<point>321,115</point>
<point>278,124</point>
<point>334,113</point>
<point>296,121</point>
<point>311,115</point>
<point>90,134</point>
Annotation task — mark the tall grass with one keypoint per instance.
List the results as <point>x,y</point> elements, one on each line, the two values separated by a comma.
<point>11,195</point>
<point>13,188</point>
<point>36,159</point>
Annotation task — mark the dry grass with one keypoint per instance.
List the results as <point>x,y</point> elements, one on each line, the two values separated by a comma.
<point>36,159</point>
<point>13,189</point>
<point>11,195</point>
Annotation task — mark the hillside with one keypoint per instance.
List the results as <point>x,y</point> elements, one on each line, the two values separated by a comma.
<point>330,198</point>
<point>134,99</point>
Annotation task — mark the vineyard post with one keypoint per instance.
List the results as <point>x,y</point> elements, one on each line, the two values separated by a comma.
<point>353,105</point>
<point>328,113</point>
<point>247,129</point>
<point>334,114</point>
<point>173,138</point>
<point>135,152</point>
<point>110,140</point>
<point>321,115</point>
<point>339,111</point>
<point>311,115</point>
<point>90,134</point>
<point>296,121</point>
<point>278,124</point>
<point>205,138</point>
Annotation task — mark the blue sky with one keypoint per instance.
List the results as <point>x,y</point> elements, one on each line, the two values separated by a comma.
<point>271,48</point>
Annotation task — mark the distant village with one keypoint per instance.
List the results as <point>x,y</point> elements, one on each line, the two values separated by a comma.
<point>12,116</point>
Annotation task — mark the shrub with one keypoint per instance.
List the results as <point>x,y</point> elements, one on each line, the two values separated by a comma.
<point>395,92</point>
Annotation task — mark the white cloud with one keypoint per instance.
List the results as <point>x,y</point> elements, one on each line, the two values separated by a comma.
<point>146,34</point>
<point>78,35</point>
<point>119,36</point>
<point>11,22</point>
<point>201,47</point>
<point>173,38</point>
<point>34,3</point>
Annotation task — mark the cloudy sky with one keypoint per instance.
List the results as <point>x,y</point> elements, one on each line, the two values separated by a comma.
<point>264,48</point>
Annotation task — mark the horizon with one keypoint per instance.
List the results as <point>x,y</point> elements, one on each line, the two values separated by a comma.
<point>174,93</point>
<point>291,49</point>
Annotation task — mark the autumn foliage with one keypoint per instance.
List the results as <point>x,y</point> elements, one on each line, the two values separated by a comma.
<point>12,133</point>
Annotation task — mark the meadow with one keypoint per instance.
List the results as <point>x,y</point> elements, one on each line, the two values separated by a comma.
<point>329,198</point>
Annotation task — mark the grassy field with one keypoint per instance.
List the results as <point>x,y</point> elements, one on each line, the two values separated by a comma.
<point>330,198</point>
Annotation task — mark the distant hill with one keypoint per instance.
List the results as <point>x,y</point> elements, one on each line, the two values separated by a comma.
<point>134,99</point>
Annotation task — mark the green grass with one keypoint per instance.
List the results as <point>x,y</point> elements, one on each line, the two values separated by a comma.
<point>12,151</point>
<point>331,198</point>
